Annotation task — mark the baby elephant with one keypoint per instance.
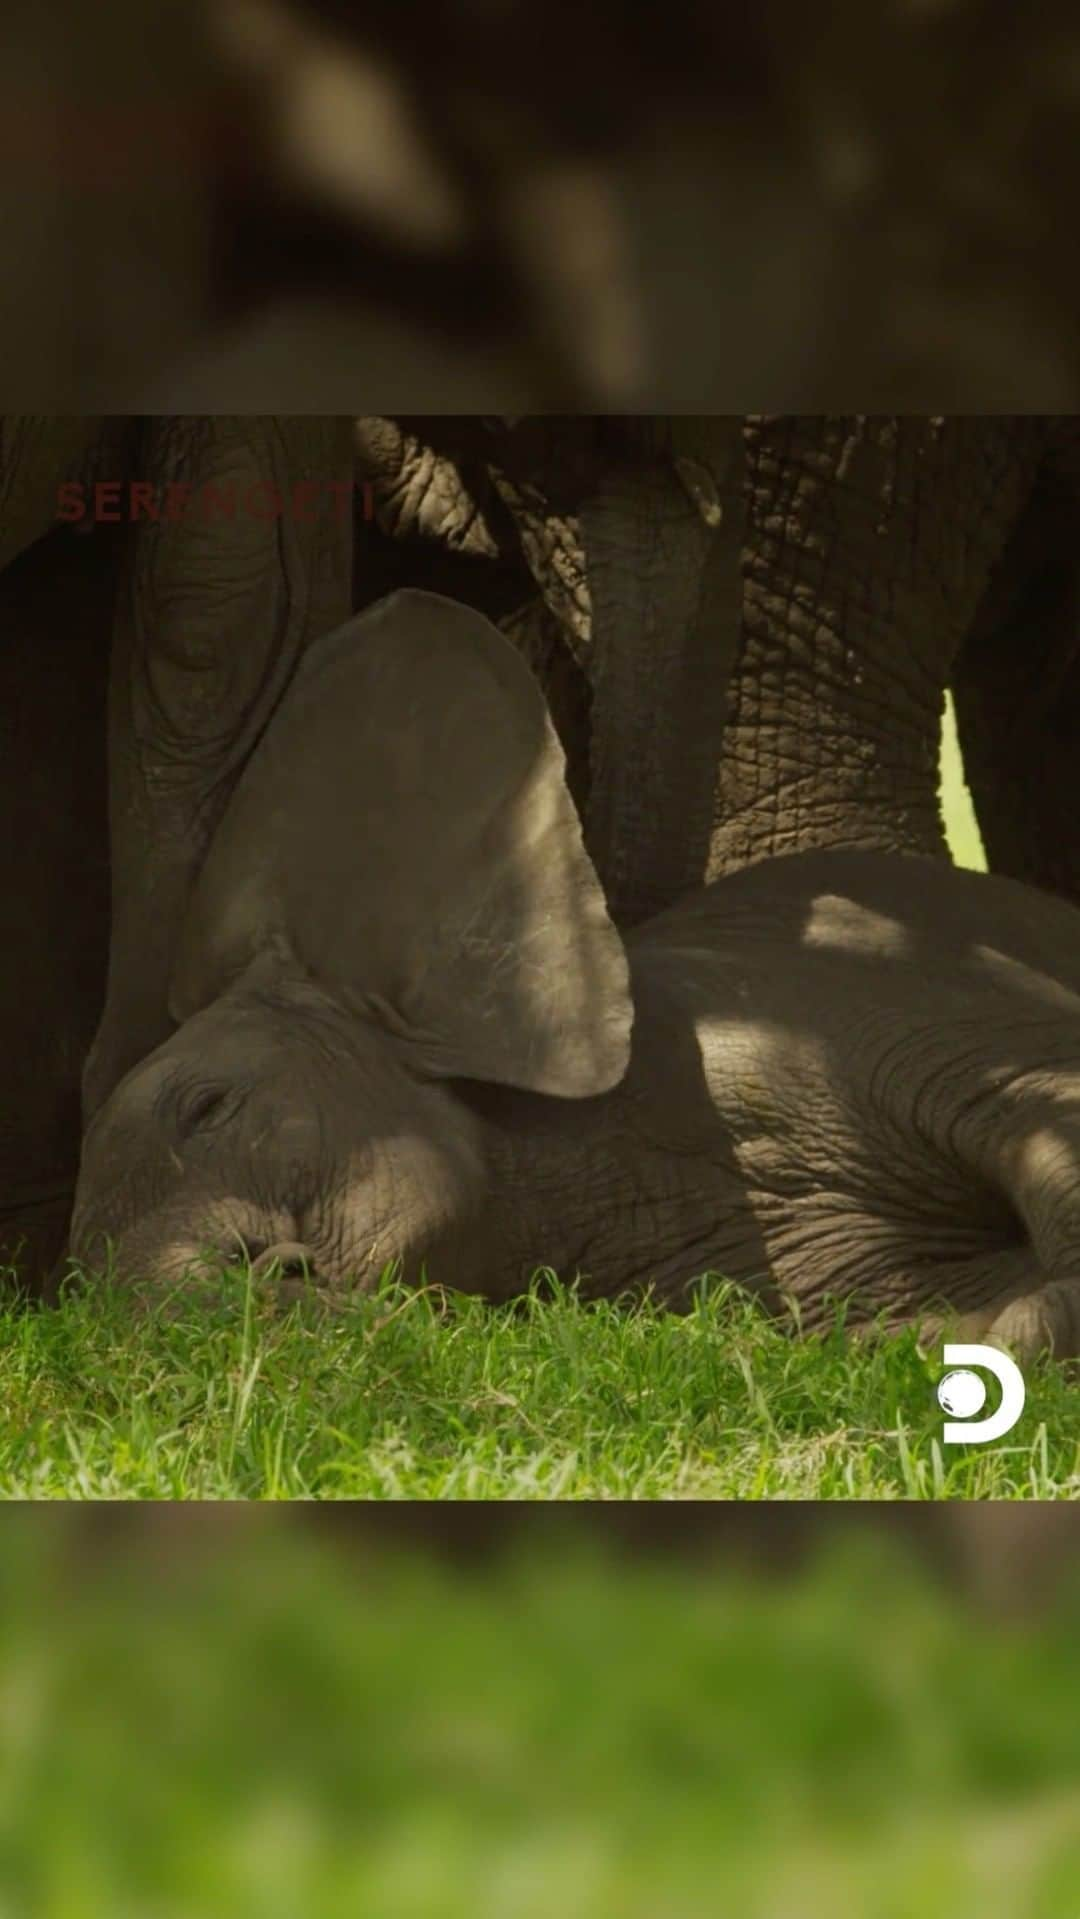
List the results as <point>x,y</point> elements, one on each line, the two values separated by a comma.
<point>407,1027</point>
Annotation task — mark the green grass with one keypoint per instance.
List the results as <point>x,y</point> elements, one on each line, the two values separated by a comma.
<point>274,1729</point>
<point>417,1395</point>
<point>957,811</point>
<point>407,1396</point>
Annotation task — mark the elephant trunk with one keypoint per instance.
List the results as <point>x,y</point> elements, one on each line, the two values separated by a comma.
<point>663,541</point>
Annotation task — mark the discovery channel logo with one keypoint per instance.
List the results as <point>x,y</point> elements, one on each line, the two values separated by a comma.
<point>963,1394</point>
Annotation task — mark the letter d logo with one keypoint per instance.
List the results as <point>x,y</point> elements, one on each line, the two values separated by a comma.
<point>964,1393</point>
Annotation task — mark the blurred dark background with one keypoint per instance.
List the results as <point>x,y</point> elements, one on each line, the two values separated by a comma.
<point>309,203</point>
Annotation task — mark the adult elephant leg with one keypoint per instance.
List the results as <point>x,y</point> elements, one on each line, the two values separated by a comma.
<point>1016,686</point>
<point>663,542</point>
<point>216,610</point>
<point>632,529</point>
<point>56,612</point>
<point>869,545</point>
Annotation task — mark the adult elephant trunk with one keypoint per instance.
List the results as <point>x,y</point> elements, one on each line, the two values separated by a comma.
<point>663,543</point>
<point>629,532</point>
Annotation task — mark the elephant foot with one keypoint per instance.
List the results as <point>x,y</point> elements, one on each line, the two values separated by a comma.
<point>1046,1321</point>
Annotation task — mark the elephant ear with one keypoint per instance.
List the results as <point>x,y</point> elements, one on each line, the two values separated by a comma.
<point>404,831</point>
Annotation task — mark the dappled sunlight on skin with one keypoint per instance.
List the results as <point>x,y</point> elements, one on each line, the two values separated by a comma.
<point>838,924</point>
<point>1026,1130</point>
<point>881,1118</point>
<point>940,1063</point>
<point>952,916</point>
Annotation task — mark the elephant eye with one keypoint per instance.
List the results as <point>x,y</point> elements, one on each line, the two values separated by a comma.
<point>200,1107</point>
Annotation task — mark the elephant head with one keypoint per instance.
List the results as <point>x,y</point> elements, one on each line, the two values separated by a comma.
<point>397,899</point>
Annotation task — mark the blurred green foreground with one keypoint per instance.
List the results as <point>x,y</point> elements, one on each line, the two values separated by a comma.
<point>295,1728</point>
